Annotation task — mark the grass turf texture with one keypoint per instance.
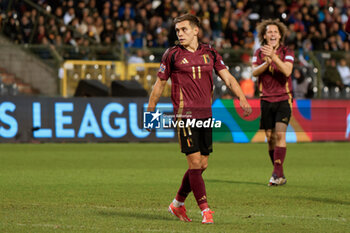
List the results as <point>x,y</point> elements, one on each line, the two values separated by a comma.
<point>128,187</point>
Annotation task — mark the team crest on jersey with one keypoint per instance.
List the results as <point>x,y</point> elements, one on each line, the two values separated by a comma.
<point>206,58</point>
<point>162,68</point>
<point>184,61</point>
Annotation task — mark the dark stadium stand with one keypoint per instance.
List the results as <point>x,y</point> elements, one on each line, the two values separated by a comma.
<point>13,86</point>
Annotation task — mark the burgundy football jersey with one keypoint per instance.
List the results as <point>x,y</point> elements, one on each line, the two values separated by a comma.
<point>274,86</point>
<point>191,76</point>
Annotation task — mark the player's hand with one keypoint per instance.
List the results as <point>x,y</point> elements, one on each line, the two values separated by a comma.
<point>246,107</point>
<point>268,60</point>
<point>268,51</point>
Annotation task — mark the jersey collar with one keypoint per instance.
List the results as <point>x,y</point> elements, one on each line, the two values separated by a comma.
<point>198,48</point>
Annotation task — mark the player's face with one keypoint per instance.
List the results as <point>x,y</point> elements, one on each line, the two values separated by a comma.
<point>185,32</point>
<point>272,35</point>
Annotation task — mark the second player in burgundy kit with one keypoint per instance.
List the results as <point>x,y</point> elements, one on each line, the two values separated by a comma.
<point>273,64</point>
<point>190,67</point>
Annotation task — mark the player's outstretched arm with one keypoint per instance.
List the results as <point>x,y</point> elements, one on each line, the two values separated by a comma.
<point>156,94</point>
<point>232,83</point>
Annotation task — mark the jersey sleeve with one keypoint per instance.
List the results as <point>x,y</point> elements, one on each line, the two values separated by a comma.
<point>164,71</point>
<point>218,62</point>
<point>289,56</point>
<point>256,60</point>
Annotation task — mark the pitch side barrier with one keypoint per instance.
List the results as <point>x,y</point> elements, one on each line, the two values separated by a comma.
<point>40,119</point>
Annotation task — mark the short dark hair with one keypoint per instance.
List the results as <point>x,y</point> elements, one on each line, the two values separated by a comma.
<point>262,27</point>
<point>194,21</point>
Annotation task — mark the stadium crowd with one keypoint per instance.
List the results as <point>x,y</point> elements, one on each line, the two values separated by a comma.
<point>314,25</point>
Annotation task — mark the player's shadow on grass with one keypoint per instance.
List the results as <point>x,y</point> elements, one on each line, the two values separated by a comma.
<point>324,200</point>
<point>234,182</point>
<point>134,214</point>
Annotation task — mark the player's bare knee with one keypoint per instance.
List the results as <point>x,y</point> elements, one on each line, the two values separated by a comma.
<point>280,136</point>
<point>196,164</point>
<point>204,166</point>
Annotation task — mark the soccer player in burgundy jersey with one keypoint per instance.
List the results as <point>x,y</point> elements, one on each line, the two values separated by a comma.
<point>273,64</point>
<point>190,66</point>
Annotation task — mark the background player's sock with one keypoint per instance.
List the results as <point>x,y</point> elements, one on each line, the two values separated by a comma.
<point>279,155</point>
<point>184,189</point>
<point>271,153</point>
<point>198,187</point>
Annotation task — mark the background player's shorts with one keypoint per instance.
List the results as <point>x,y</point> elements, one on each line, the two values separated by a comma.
<point>272,112</point>
<point>193,139</point>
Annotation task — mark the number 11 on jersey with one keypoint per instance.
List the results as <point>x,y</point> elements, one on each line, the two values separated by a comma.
<point>194,72</point>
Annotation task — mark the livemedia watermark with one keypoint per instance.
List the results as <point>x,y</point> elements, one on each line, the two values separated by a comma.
<point>157,120</point>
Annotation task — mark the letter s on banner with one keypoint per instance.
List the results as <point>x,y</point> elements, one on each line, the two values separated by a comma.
<point>8,120</point>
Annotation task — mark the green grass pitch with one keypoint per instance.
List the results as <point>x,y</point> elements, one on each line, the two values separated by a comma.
<point>125,187</point>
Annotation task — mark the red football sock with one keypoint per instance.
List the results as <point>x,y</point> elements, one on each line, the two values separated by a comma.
<point>271,153</point>
<point>279,155</point>
<point>198,187</point>
<point>184,189</point>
